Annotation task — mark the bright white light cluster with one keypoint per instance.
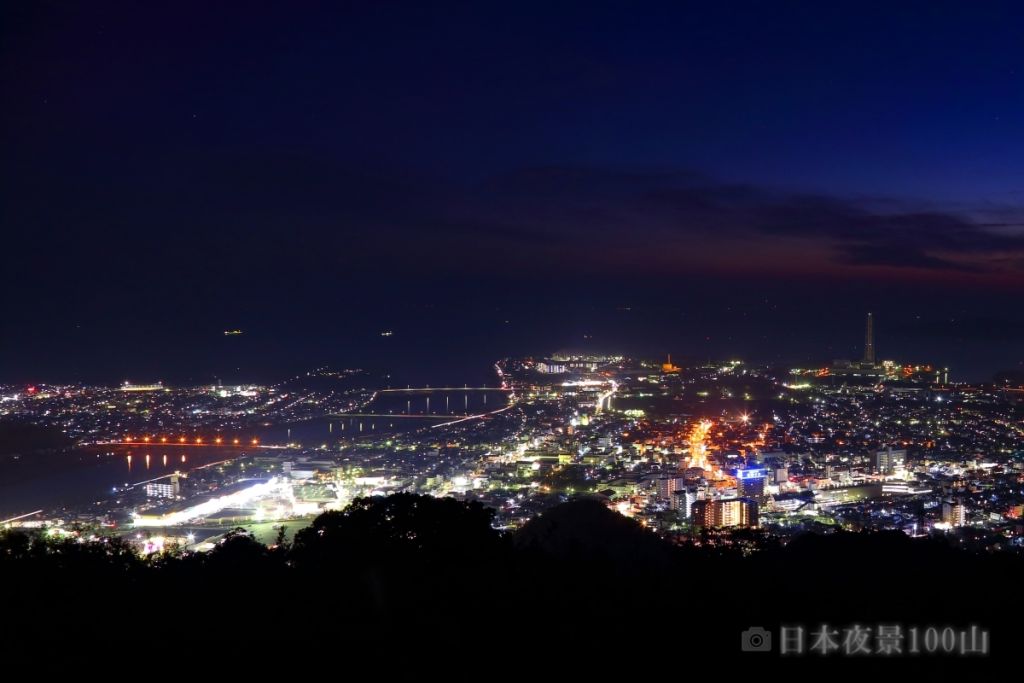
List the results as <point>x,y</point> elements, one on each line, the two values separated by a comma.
<point>214,505</point>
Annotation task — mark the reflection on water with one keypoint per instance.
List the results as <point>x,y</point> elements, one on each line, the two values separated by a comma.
<point>85,475</point>
<point>163,459</point>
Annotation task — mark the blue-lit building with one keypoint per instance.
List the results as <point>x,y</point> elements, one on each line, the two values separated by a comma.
<point>750,483</point>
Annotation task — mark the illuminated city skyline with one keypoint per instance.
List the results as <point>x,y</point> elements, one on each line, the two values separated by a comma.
<point>540,333</point>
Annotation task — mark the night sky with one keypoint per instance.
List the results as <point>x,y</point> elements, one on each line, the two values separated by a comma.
<point>487,179</point>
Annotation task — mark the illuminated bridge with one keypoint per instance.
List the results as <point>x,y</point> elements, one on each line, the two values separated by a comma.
<point>427,390</point>
<point>414,416</point>
<point>183,442</point>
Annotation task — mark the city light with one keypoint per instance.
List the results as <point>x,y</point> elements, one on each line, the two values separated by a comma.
<point>274,486</point>
<point>683,336</point>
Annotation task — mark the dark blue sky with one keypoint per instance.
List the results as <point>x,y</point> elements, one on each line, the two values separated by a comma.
<point>746,179</point>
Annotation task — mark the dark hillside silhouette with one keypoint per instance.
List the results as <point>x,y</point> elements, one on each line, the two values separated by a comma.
<point>434,570</point>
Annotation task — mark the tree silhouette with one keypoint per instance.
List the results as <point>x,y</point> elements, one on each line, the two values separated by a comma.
<point>407,567</point>
<point>399,526</point>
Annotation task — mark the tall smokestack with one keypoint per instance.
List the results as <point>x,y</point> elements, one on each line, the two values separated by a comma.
<point>869,340</point>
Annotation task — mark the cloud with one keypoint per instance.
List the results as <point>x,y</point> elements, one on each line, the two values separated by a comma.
<point>677,213</point>
<point>897,256</point>
<point>301,215</point>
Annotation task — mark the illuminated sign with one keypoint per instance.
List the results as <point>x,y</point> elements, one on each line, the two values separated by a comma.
<point>750,474</point>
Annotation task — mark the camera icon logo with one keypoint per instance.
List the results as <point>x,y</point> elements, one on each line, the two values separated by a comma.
<point>756,639</point>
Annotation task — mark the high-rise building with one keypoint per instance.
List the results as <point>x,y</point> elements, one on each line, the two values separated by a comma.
<point>159,490</point>
<point>725,512</point>
<point>683,500</point>
<point>750,483</point>
<point>703,512</point>
<point>668,485</point>
<point>887,462</point>
<point>954,512</point>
